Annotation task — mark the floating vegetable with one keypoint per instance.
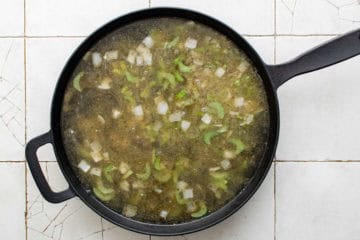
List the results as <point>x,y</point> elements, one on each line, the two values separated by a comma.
<point>76,81</point>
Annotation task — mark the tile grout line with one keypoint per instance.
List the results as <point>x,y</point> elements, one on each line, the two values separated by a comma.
<point>275,162</point>
<point>102,228</point>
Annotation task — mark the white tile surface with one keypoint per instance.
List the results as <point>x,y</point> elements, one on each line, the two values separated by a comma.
<point>264,47</point>
<point>317,16</point>
<point>69,220</point>
<point>320,111</point>
<point>254,221</point>
<point>45,59</point>
<point>69,17</point>
<point>12,127</point>
<point>12,207</point>
<point>246,16</point>
<point>12,18</point>
<point>112,232</point>
<point>318,201</point>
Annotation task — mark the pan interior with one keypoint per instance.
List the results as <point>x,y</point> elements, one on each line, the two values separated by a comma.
<point>165,120</point>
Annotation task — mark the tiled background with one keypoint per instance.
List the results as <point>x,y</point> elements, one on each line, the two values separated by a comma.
<point>313,189</point>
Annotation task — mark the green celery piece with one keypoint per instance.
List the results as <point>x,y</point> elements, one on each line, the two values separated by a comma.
<point>76,81</point>
<point>239,145</point>
<point>157,164</point>
<point>219,179</point>
<point>128,95</point>
<point>201,212</point>
<point>168,77</point>
<point>163,175</point>
<point>107,172</point>
<point>102,196</point>
<point>217,108</point>
<point>131,78</point>
<point>105,190</point>
<point>208,136</point>
<point>182,67</point>
<point>172,43</point>
<point>127,174</point>
<point>179,199</point>
<point>181,94</point>
<point>146,174</point>
<point>178,77</point>
<point>219,175</point>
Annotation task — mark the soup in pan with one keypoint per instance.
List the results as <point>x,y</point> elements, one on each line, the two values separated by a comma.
<point>165,120</point>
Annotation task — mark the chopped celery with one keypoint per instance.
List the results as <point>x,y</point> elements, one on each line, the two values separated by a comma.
<point>172,43</point>
<point>105,190</point>
<point>179,199</point>
<point>179,168</point>
<point>157,164</point>
<point>182,67</point>
<point>131,78</point>
<point>185,103</point>
<point>202,210</point>
<point>102,196</point>
<point>216,107</point>
<point>146,174</point>
<point>163,175</point>
<point>209,135</point>
<point>127,174</point>
<point>128,95</point>
<point>219,179</point>
<point>119,68</point>
<point>181,94</point>
<point>240,146</point>
<point>76,81</point>
<point>178,77</point>
<point>168,77</point>
<point>107,172</point>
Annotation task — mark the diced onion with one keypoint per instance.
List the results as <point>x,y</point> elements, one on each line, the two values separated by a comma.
<point>181,185</point>
<point>106,156</point>
<point>233,113</point>
<point>188,193</point>
<point>158,190</point>
<point>206,118</point>
<point>162,107</point>
<point>239,102</point>
<point>129,210</point>
<point>190,43</point>
<point>147,56</point>
<point>185,125</point>
<point>220,72</point>
<point>138,184</point>
<point>138,111</point>
<point>115,113</point>
<point>124,167</point>
<point>214,169</point>
<point>105,84</point>
<point>176,116</point>
<point>95,146</point>
<point>131,56</point>
<point>96,59</point>
<point>96,156</point>
<point>228,154</point>
<point>225,164</point>
<point>148,42</point>
<point>243,66</point>
<point>248,119</point>
<point>111,55</point>
<point>191,206</point>
<point>95,171</point>
<point>84,166</point>
<point>124,185</point>
<point>139,60</point>
<point>101,119</point>
<point>164,213</point>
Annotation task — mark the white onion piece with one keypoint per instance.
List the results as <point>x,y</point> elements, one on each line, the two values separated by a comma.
<point>138,111</point>
<point>158,190</point>
<point>129,210</point>
<point>162,108</point>
<point>214,169</point>
<point>148,42</point>
<point>106,156</point>
<point>111,55</point>
<point>206,118</point>
<point>220,72</point>
<point>101,119</point>
<point>228,154</point>
<point>147,56</point>
<point>243,66</point>
<point>115,113</point>
<point>139,60</point>
<point>84,166</point>
<point>95,146</point>
<point>239,102</point>
<point>181,185</point>
<point>138,184</point>
<point>131,56</point>
<point>191,206</point>
<point>176,116</point>
<point>225,164</point>
<point>96,156</point>
<point>248,119</point>
<point>124,167</point>
<point>233,113</point>
<point>164,213</point>
<point>124,185</point>
<point>95,171</point>
<point>188,193</point>
<point>185,125</point>
<point>190,43</point>
<point>96,59</point>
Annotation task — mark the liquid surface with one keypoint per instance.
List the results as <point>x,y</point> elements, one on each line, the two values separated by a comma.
<point>165,120</point>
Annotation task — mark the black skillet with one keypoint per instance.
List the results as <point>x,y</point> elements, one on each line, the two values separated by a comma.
<point>332,52</point>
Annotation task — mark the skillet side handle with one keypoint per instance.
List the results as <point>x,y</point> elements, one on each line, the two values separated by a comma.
<point>38,175</point>
<point>327,54</point>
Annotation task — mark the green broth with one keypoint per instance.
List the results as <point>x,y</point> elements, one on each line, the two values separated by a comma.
<point>165,120</point>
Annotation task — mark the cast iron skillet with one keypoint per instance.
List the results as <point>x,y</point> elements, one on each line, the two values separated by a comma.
<point>273,76</point>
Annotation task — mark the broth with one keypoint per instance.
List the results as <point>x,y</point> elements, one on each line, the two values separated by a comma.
<point>165,120</point>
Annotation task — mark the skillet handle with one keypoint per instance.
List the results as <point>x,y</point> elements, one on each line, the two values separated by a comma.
<point>38,175</point>
<point>329,53</point>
